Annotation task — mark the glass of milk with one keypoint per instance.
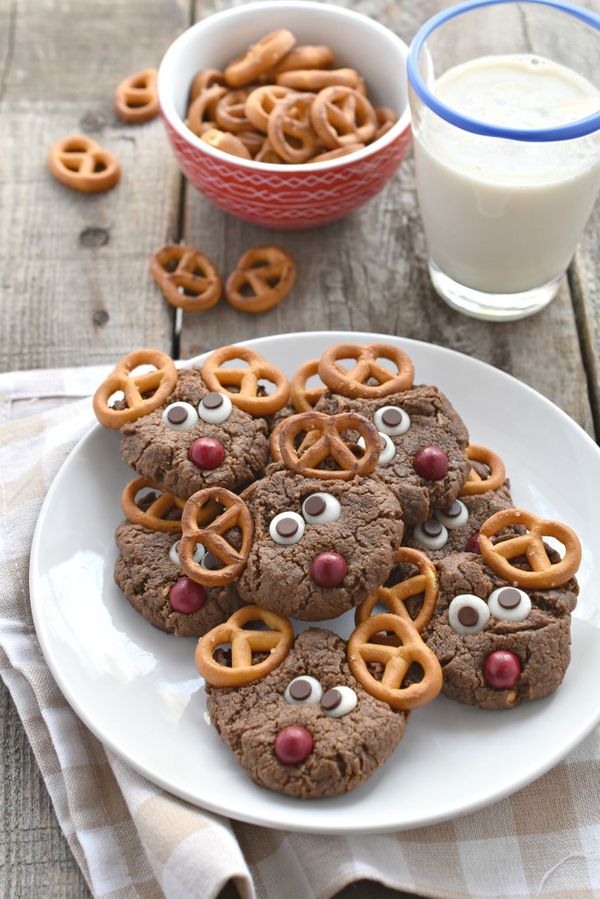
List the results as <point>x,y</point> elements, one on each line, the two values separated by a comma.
<point>505,101</point>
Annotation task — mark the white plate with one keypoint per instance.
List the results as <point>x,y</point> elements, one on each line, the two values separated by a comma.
<point>137,688</point>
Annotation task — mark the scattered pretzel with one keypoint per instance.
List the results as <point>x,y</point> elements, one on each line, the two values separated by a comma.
<point>425,582</point>
<point>396,661</point>
<point>261,102</point>
<point>342,115</point>
<point>136,98</point>
<point>290,130</point>
<point>80,163</point>
<point>304,398</point>
<point>160,383</point>
<point>277,642</point>
<point>353,383</point>
<point>177,268</point>
<point>195,530</point>
<point>155,516</point>
<point>544,573</point>
<point>335,154</point>
<point>246,379</point>
<point>475,484</point>
<point>308,56</point>
<point>225,141</point>
<point>268,271</point>
<point>317,79</point>
<point>206,78</point>
<point>328,444</point>
<point>259,58</point>
<point>201,114</point>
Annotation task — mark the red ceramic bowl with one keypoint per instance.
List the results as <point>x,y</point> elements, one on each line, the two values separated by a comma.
<point>288,196</point>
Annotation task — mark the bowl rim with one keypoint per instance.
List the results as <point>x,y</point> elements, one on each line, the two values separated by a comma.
<point>167,107</point>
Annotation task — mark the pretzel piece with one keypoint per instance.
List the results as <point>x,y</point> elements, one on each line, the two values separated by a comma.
<point>202,109</point>
<point>307,56</point>
<point>277,641</point>
<point>353,383</point>
<point>335,154</point>
<point>177,268</point>
<point>342,115</point>
<point>328,443</point>
<point>80,163</point>
<point>136,97</point>
<point>268,271</point>
<point>386,119</point>
<point>206,78</point>
<point>155,516</point>
<point>317,79</point>
<point>160,383</point>
<point>226,142</point>
<point>196,530</point>
<point>396,661</point>
<point>259,57</point>
<point>217,377</point>
<point>290,129</point>
<point>304,398</point>
<point>260,103</point>
<point>544,573</point>
<point>475,484</point>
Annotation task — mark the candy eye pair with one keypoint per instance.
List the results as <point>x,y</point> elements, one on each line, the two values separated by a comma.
<point>214,409</point>
<point>307,690</point>
<point>433,534</point>
<point>318,508</point>
<point>469,614</point>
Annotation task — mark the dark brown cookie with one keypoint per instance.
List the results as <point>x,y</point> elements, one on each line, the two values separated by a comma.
<point>147,574</point>
<point>164,447</point>
<point>338,550</point>
<point>341,752</point>
<point>412,420</point>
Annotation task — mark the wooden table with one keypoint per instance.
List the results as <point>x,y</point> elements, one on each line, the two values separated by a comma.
<point>76,289</point>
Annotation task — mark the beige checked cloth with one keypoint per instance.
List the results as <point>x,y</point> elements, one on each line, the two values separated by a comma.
<point>131,839</point>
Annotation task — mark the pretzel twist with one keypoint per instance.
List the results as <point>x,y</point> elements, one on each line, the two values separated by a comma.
<point>353,383</point>
<point>136,97</point>
<point>544,573</point>
<point>79,162</point>
<point>204,79</point>
<point>176,266</point>
<point>259,57</point>
<point>475,484</point>
<point>277,641</point>
<point>161,382</point>
<point>155,516</point>
<point>386,119</point>
<point>317,79</point>
<point>327,443</point>
<point>269,271</point>
<point>201,113</point>
<point>304,398</point>
<point>217,377</point>
<point>342,115</point>
<point>230,111</point>
<point>396,661</point>
<point>196,530</point>
<point>290,130</point>
<point>261,102</point>
<point>226,142</point>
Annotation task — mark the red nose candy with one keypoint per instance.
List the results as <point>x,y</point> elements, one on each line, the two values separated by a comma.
<point>328,569</point>
<point>293,744</point>
<point>186,596</point>
<point>473,543</point>
<point>502,670</point>
<point>431,463</point>
<point>206,453</point>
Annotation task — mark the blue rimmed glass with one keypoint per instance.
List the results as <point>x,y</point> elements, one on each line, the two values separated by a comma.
<point>505,193</point>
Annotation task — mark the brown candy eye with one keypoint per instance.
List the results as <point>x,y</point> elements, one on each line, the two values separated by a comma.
<point>303,690</point>
<point>286,528</point>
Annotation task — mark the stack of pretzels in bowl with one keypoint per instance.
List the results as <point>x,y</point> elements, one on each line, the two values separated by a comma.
<point>259,502</point>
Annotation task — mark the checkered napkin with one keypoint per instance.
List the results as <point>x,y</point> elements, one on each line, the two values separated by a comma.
<point>131,839</point>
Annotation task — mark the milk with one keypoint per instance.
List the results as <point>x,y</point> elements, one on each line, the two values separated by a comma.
<point>504,216</point>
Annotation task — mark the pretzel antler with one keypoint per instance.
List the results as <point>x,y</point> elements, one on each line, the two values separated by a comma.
<point>161,382</point>
<point>235,514</point>
<point>217,377</point>
<point>475,484</point>
<point>327,442</point>
<point>354,383</point>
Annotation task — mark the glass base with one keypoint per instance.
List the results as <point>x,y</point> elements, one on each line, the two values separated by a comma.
<point>498,307</point>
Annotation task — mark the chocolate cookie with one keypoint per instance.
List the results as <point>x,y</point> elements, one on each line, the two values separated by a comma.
<point>308,729</point>
<point>423,444</point>
<point>196,439</point>
<point>150,578</point>
<point>498,644</point>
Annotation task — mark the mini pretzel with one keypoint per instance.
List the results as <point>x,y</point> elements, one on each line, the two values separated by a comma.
<point>195,530</point>
<point>226,142</point>
<point>317,79</point>
<point>425,582</point>
<point>277,642</point>
<point>304,398</point>
<point>353,383</point>
<point>397,660</point>
<point>161,382</point>
<point>386,119</point>
<point>176,266</point>
<point>335,154</point>
<point>136,98</point>
<point>342,115</point>
<point>230,111</point>
<point>544,574</point>
<point>246,379</point>
<point>475,484</point>
<point>201,114</point>
<point>268,154</point>
<point>290,130</point>
<point>252,140</point>
<point>328,444</point>
<point>260,103</point>
<point>307,56</point>
<point>259,58</point>
<point>82,164</point>
<point>270,273</point>
<point>206,78</point>
<point>154,517</point>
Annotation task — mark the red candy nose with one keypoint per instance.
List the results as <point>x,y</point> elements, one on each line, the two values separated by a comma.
<point>502,670</point>
<point>293,744</point>
<point>186,596</point>
<point>206,453</point>
<point>431,463</point>
<point>328,569</point>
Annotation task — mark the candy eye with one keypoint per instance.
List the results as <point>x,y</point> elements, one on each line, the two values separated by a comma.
<point>198,554</point>
<point>214,408</point>
<point>303,690</point>
<point>287,527</point>
<point>468,614</point>
<point>321,508</point>
<point>431,534</point>
<point>509,604</point>
<point>180,416</point>
<point>392,420</point>
<point>338,701</point>
<point>388,450</point>
<point>454,516</point>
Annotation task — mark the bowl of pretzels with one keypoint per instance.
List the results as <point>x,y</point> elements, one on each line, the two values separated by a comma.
<point>287,115</point>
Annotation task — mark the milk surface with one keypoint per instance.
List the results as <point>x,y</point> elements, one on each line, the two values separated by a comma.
<point>504,216</point>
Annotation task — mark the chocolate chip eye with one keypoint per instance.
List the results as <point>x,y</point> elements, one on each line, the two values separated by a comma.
<point>509,604</point>
<point>388,450</point>
<point>287,527</point>
<point>468,614</point>
<point>180,416</point>
<point>214,408</point>
<point>303,690</point>
<point>338,701</point>
<point>454,516</point>
<point>392,420</point>
<point>198,555</point>
<point>431,534</point>
<point>321,508</point>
